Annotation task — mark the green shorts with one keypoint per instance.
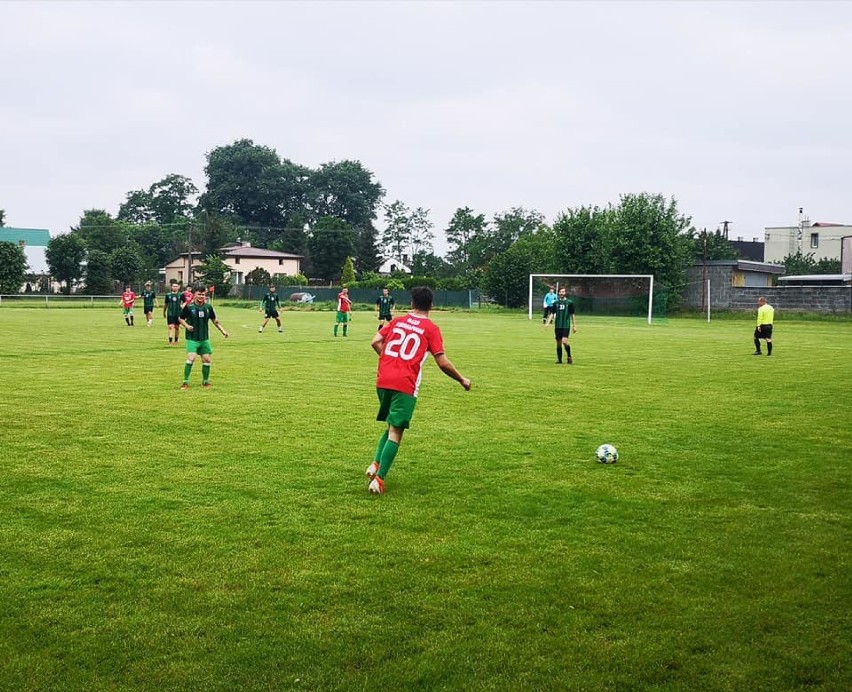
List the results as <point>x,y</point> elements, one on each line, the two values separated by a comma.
<point>342,316</point>
<point>128,311</point>
<point>395,407</point>
<point>202,348</point>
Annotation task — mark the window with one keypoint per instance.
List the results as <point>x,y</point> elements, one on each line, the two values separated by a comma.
<point>280,262</point>
<point>814,239</point>
<point>180,276</point>
<point>236,260</point>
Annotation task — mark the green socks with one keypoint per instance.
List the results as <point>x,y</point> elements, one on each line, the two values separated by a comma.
<point>205,373</point>
<point>187,369</point>
<point>335,330</point>
<point>382,440</point>
<point>345,327</point>
<point>388,455</point>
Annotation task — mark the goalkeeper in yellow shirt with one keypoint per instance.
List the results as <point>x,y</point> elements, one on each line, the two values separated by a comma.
<point>765,317</point>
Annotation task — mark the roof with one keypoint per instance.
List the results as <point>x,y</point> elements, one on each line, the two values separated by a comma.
<point>243,251</point>
<point>818,278</point>
<point>34,237</point>
<point>745,265</point>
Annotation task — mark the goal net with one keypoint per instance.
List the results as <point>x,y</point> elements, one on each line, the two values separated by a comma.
<point>599,294</point>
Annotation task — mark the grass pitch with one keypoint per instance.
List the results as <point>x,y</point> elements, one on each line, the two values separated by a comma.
<point>224,539</point>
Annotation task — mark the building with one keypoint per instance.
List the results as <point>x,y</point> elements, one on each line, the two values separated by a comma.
<point>751,250</point>
<point>725,276</point>
<point>821,239</point>
<point>240,258</point>
<point>393,265</point>
<point>34,242</point>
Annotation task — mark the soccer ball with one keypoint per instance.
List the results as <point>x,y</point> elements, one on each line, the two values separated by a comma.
<point>606,454</point>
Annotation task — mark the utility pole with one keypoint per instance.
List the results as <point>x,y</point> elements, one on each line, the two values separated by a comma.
<point>725,225</point>
<point>803,221</point>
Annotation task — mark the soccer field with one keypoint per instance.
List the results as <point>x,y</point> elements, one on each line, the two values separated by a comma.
<point>224,539</point>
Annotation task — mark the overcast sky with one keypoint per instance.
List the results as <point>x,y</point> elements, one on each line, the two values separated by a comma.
<point>741,111</point>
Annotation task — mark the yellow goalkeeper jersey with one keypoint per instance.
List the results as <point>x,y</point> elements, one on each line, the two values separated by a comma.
<point>765,314</point>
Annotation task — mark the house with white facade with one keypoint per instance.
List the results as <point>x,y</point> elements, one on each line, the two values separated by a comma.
<point>240,258</point>
<point>821,239</point>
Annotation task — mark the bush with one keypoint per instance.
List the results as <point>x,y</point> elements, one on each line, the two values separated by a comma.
<point>291,280</point>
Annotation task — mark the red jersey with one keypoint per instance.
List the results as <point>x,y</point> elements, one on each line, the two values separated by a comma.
<point>343,302</point>
<point>408,340</point>
<point>188,296</point>
<point>127,299</point>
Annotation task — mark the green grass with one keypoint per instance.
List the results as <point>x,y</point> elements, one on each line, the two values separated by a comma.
<point>224,539</point>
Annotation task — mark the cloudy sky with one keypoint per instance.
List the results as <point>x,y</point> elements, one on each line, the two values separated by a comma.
<point>741,111</point>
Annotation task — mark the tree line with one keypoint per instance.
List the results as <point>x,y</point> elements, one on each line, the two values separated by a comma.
<point>328,214</point>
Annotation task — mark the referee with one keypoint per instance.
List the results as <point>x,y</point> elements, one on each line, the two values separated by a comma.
<point>765,317</point>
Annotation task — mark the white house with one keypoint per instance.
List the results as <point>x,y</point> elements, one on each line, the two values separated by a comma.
<point>240,258</point>
<point>821,239</point>
<point>392,265</point>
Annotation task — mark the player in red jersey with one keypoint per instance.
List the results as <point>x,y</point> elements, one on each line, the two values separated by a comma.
<point>188,296</point>
<point>127,300</point>
<point>344,311</point>
<point>403,346</point>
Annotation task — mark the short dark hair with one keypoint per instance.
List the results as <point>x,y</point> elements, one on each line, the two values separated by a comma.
<point>421,298</point>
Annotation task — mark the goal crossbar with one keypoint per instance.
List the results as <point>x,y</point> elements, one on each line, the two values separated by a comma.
<point>650,278</point>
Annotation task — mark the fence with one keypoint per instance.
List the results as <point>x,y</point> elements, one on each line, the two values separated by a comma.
<point>58,300</point>
<point>443,299</point>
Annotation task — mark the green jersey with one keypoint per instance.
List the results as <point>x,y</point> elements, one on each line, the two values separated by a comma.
<point>198,317</point>
<point>173,301</point>
<point>564,310</point>
<point>270,301</point>
<point>385,305</point>
<point>148,300</point>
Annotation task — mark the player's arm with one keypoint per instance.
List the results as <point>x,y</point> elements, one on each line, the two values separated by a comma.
<point>450,370</point>
<point>221,329</point>
<point>378,343</point>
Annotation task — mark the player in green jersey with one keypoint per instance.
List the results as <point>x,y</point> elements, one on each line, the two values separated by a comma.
<point>564,323</point>
<point>270,304</point>
<point>195,318</point>
<point>171,312</point>
<point>384,307</point>
<point>149,300</point>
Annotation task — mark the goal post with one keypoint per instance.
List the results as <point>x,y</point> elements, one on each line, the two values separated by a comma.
<point>587,288</point>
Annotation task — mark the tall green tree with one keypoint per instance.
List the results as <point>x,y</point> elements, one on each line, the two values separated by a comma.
<point>125,264</point>
<point>507,276</point>
<point>98,274</point>
<point>331,241</point>
<point>653,237</point>
<point>584,240</point>
<point>396,238</point>
<point>368,257</point>
<point>464,228</point>
<point>347,273</point>
<point>168,201</point>
<point>345,190</point>
<point>13,267</point>
<point>99,231</point>
<point>65,254</point>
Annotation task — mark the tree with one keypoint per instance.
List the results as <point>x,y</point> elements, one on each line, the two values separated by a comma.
<point>421,232</point>
<point>13,267</point>
<point>125,264</point>
<point>168,201</point>
<point>797,264</point>
<point>345,190</point>
<point>347,273</point>
<point>250,185</point>
<point>653,237</point>
<point>507,276</point>
<point>98,274</point>
<point>398,232</point>
<point>368,258</point>
<point>330,243</point>
<point>464,228</point>
<point>712,246</point>
<point>258,277</point>
<point>99,231</point>
<point>584,239</point>
<point>2,218</point>
<point>428,264</point>
<point>65,255</point>
<point>214,272</point>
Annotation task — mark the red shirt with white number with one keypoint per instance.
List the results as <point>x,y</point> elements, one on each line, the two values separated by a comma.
<point>408,340</point>
<point>128,298</point>
<point>344,302</point>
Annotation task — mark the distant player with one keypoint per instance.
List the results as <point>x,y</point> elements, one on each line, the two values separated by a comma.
<point>195,318</point>
<point>270,304</point>
<point>403,346</point>
<point>149,302</point>
<point>564,323</point>
<point>384,307</point>
<point>127,300</point>
<point>548,305</point>
<point>172,305</point>
<point>763,330</point>
<point>188,295</point>
<point>344,311</point>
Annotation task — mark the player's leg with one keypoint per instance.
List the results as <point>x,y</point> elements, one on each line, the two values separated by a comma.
<point>558,346</point>
<point>757,337</point>
<point>206,362</point>
<point>190,359</point>
<point>767,334</point>
<point>567,347</point>
<point>345,323</point>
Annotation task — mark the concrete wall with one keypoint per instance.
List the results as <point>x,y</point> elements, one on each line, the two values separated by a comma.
<point>725,296</point>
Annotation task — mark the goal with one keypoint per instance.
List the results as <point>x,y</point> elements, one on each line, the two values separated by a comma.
<point>601,294</point>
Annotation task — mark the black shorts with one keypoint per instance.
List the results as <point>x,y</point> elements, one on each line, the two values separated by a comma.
<point>172,320</point>
<point>561,333</point>
<point>385,318</point>
<point>763,331</point>
<point>551,310</point>
<point>272,313</point>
